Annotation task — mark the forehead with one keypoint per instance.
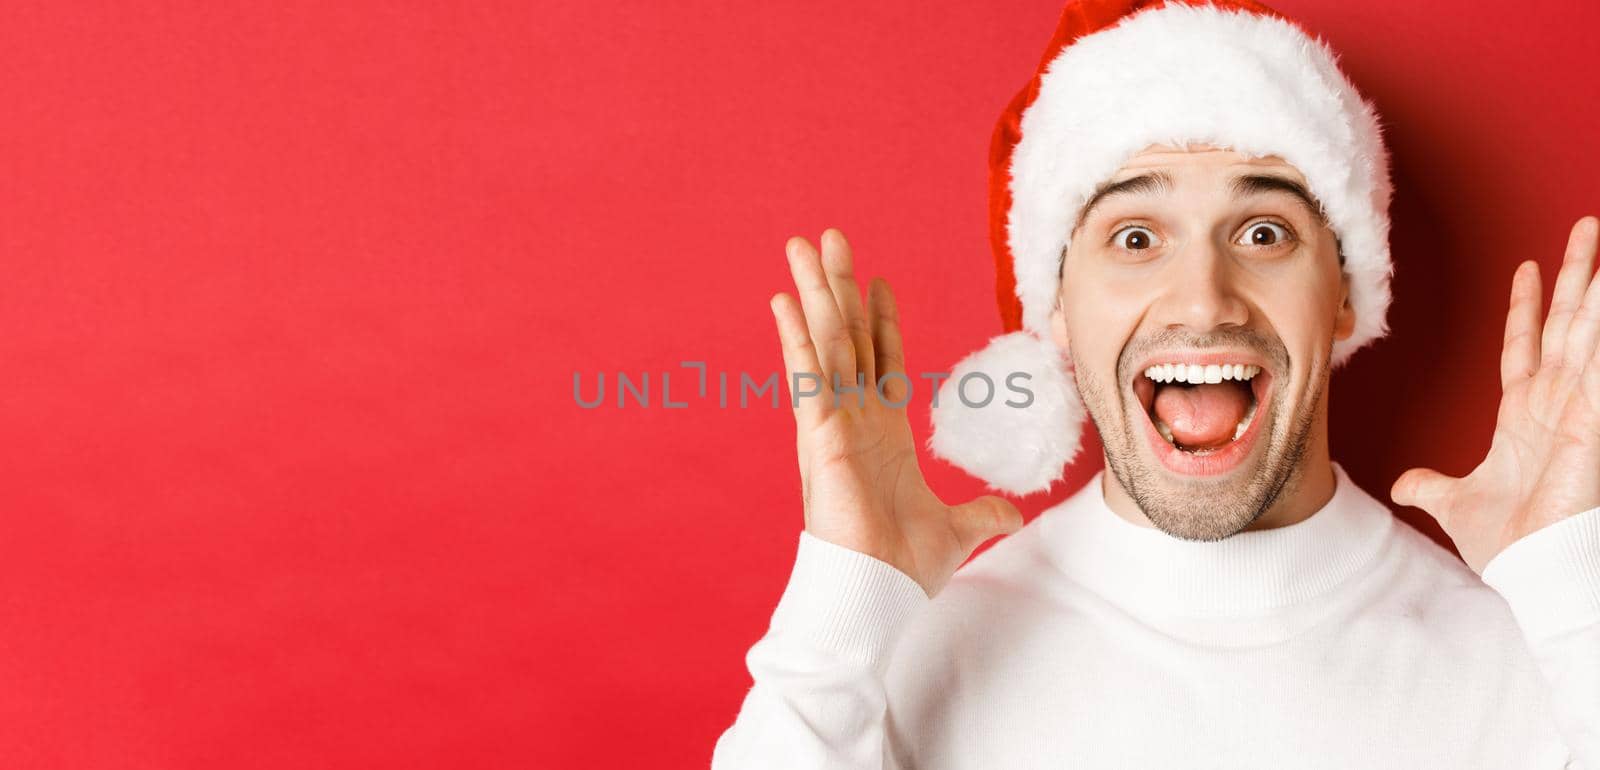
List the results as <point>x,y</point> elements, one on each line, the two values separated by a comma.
<point>1204,158</point>
<point>1158,169</point>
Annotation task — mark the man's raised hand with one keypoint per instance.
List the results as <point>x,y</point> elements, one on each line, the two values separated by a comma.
<point>1544,461</point>
<point>859,478</point>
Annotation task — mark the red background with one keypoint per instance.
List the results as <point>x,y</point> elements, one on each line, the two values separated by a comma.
<point>293,295</point>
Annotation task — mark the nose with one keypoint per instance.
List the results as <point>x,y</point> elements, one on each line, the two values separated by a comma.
<point>1200,290</point>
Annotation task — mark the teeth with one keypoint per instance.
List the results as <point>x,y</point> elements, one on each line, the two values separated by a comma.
<point>1165,431</point>
<point>1196,374</point>
<point>1249,414</point>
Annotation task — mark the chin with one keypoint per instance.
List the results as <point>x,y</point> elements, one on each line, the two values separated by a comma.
<point>1212,512</point>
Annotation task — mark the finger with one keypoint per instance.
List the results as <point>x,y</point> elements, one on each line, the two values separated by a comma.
<point>1519,353</point>
<point>1589,380</point>
<point>838,263</point>
<point>828,334</point>
<point>1424,488</point>
<point>983,518</point>
<point>1585,327</point>
<point>1576,269</point>
<point>888,350</point>
<point>799,355</point>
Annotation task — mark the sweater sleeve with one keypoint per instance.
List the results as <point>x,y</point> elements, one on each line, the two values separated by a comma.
<point>1551,580</point>
<point>818,700</point>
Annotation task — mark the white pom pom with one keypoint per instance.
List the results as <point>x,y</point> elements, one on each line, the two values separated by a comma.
<point>1009,414</point>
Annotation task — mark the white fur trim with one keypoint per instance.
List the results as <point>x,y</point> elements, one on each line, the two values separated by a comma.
<point>1014,449</point>
<point>1181,74</point>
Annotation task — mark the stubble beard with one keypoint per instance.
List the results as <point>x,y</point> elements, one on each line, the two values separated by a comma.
<point>1200,508</point>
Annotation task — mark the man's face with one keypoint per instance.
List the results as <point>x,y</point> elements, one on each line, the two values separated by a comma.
<point>1212,269</point>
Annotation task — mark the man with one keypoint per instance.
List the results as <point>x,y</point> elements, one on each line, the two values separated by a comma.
<point>1191,211</point>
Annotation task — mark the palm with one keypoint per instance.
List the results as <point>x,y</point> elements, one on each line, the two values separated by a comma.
<point>1543,463</point>
<point>861,485</point>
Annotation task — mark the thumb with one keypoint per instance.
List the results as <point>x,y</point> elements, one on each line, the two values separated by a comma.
<point>1423,488</point>
<point>983,518</point>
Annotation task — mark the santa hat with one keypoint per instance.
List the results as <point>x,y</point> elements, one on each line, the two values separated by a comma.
<point>1117,77</point>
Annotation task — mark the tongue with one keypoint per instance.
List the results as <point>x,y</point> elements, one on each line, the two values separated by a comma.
<point>1202,416</point>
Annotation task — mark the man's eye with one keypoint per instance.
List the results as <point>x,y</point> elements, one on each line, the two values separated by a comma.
<point>1265,234</point>
<point>1135,238</point>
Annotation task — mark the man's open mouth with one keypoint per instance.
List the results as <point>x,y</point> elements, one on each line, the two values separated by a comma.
<point>1201,414</point>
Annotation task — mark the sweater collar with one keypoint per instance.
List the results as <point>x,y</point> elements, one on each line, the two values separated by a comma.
<point>1149,572</point>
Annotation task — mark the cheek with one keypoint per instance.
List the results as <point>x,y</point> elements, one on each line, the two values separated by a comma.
<point>1099,324</point>
<point>1302,310</point>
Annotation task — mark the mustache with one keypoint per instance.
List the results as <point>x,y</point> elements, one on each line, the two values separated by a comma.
<point>1268,345</point>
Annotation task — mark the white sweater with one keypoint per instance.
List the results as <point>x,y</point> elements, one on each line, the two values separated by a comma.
<point>1348,640</point>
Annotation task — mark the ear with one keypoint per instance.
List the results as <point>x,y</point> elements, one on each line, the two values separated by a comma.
<point>1058,327</point>
<point>1344,321</point>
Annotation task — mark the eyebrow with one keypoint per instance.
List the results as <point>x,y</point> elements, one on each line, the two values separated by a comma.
<point>1254,184</point>
<point>1158,183</point>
